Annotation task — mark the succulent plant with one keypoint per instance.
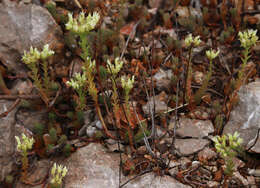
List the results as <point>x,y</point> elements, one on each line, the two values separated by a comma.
<point>58,172</point>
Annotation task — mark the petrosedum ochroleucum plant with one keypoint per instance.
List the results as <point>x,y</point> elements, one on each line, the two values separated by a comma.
<point>81,26</point>
<point>228,148</point>
<point>32,59</point>
<point>211,54</point>
<point>23,146</point>
<point>80,82</point>
<point>114,69</point>
<point>58,172</point>
<point>190,42</point>
<point>127,85</point>
<point>247,39</point>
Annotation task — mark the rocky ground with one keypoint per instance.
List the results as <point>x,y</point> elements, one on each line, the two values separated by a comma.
<point>150,35</point>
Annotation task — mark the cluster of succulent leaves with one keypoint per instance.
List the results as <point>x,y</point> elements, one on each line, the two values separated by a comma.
<point>228,147</point>
<point>32,59</point>
<point>24,145</point>
<point>58,172</point>
<point>247,39</point>
<point>53,138</point>
<point>192,42</point>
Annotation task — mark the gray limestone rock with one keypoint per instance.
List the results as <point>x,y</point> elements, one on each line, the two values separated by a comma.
<point>245,117</point>
<point>37,174</point>
<point>23,26</point>
<point>7,142</point>
<point>190,146</point>
<point>194,128</point>
<point>29,118</point>
<point>92,166</point>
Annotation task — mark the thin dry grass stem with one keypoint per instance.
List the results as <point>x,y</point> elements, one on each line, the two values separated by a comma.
<point>209,90</point>
<point>102,91</point>
<point>148,147</point>
<point>14,97</point>
<point>149,107</point>
<point>221,60</point>
<point>103,122</point>
<point>128,39</point>
<point>188,91</point>
<point>55,98</point>
<point>148,98</point>
<point>175,120</point>
<point>168,111</point>
<point>154,130</point>
<point>136,176</point>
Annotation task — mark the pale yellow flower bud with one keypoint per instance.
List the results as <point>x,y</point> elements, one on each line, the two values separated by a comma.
<point>190,41</point>
<point>82,24</point>
<point>114,69</point>
<point>212,54</point>
<point>127,83</point>
<point>24,144</point>
<point>58,172</point>
<point>248,38</point>
<point>46,52</point>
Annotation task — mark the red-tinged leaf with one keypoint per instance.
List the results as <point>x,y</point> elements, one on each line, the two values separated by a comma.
<point>47,139</point>
<point>128,167</point>
<point>223,13</point>
<point>206,98</point>
<point>137,66</point>
<point>127,29</point>
<point>251,20</point>
<point>218,175</point>
<point>180,175</point>
<point>249,4</point>
<point>213,3</point>
<point>185,2</point>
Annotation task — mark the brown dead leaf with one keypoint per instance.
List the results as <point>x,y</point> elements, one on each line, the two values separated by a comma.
<point>249,5</point>
<point>251,19</point>
<point>185,2</point>
<point>128,167</point>
<point>127,29</point>
<point>206,98</point>
<point>180,176</point>
<point>47,139</point>
<point>136,66</point>
<point>39,147</point>
<point>218,175</point>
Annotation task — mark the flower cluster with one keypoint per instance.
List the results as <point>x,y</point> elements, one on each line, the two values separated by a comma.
<point>114,69</point>
<point>46,52</point>
<point>90,65</point>
<point>248,38</point>
<point>127,83</point>
<point>212,54</point>
<point>226,145</point>
<point>24,144</point>
<point>192,41</point>
<point>82,24</point>
<point>58,172</point>
<point>33,56</point>
<point>78,82</point>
